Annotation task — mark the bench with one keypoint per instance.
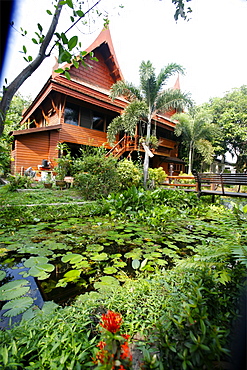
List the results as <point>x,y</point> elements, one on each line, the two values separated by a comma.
<point>220,179</point>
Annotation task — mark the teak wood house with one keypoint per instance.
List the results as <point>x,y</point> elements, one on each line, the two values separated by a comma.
<point>78,111</point>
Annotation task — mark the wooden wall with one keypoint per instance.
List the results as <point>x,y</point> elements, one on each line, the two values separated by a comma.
<point>98,75</point>
<point>31,149</point>
<point>82,135</point>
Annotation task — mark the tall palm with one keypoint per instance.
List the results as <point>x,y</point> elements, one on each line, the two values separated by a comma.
<point>147,100</point>
<point>196,131</point>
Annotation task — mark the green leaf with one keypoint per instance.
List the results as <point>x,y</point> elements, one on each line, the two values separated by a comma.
<point>34,41</point>
<point>64,38</point>
<point>14,289</point>
<point>70,3</point>
<point>76,64</point>
<point>136,264</point>
<point>24,49</point>
<point>40,27</point>
<point>2,275</point>
<point>72,258</point>
<point>48,12</point>
<point>72,42</point>
<point>72,274</point>
<point>33,261</point>
<point>80,13</point>
<point>67,75</point>
<point>110,270</point>
<point>17,306</point>
<point>203,327</point>
<point>59,70</point>
<point>100,257</point>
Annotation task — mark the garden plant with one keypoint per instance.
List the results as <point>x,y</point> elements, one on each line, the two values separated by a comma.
<point>137,279</point>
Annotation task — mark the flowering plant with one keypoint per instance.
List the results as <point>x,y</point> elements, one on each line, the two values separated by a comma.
<point>114,351</point>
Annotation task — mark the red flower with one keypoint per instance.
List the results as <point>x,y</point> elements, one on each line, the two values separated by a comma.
<point>121,367</point>
<point>103,356</point>
<point>125,351</point>
<point>126,336</point>
<point>101,344</point>
<point>111,321</point>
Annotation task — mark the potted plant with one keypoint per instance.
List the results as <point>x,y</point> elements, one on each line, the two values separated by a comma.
<point>48,181</point>
<point>64,164</point>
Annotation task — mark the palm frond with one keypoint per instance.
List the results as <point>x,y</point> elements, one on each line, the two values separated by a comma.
<point>125,89</point>
<point>127,122</point>
<point>167,72</point>
<point>173,99</point>
<point>148,82</point>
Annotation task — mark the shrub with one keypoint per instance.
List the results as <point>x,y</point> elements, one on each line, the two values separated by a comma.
<point>157,175</point>
<point>129,174</point>
<point>18,182</point>
<point>99,177</point>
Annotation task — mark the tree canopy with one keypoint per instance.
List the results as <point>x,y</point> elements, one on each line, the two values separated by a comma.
<point>196,131</point>
<point>230,115</point>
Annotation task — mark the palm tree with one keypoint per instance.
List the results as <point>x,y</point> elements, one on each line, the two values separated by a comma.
<point>196,131</point>
<point>147,100</point>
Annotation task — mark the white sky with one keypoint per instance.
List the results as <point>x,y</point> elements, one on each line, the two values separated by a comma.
<point>211,46</point>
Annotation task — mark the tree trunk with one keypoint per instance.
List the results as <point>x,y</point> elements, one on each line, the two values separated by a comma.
<point>190,158</point>
<point>10,90</point>
<point>146,158</point>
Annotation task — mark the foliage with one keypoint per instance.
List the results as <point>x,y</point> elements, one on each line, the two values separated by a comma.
<point>129,174</point>
<point>177,293</point>
<point>229,115</point>
<point>157,175</point>
<point>99,176</point>
<point>18,182</point>
<point>64,161</point>
<point>13,118</point>
<point>196,131</point>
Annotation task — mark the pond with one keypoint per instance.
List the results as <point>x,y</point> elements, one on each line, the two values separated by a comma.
<point>59,260</point>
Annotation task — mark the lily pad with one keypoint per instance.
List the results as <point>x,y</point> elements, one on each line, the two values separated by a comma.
<point>2,275</point>
<point>32,261</point>
<point>110,270</point>
<point>72,258</point>
<point>14,289</point>
<point>99,257</point>
<point>17,306</point>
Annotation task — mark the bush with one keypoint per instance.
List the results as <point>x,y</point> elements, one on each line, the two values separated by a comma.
<point>157,175</point>
<point>18,182</point>
<point>129,174</point>
<point>99,177</point>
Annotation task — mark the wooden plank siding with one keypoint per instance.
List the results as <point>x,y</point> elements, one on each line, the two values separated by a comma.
<point>82,135</point>
<point>97,73</point>
<point>31,149</point>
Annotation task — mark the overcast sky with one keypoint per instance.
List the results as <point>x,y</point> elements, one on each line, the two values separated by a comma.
<point>211,46</point>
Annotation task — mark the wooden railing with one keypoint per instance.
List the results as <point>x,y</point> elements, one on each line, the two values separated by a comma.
<point>126,144</point>
<point>175,181</point>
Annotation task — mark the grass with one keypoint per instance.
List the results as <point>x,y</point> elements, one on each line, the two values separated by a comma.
<point>39,196</point>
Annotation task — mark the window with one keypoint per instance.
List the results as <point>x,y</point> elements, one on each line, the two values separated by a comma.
<point>85,117</point>
<point>98,121</point>
<point>71,114</point>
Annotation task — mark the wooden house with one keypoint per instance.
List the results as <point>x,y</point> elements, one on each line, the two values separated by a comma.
<point>78,111</point>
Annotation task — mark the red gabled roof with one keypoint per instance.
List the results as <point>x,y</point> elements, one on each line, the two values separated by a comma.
<point>104,43</point>
<point>104,38</point>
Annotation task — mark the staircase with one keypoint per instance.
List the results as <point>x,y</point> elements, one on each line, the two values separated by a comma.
<point>126,144</point>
